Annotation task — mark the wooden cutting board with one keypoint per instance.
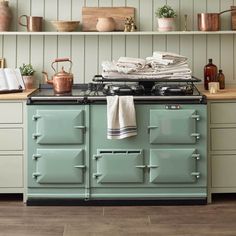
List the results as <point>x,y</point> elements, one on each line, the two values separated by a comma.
<point>91,14</point>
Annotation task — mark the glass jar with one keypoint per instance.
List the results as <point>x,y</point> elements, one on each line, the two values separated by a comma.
<point>221,79</point>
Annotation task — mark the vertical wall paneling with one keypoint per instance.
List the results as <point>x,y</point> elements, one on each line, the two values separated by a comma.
<point>199,55</point>
<point>227,61</point>
<point>91,57</point>
<point>23,9</point>
<point>78,58</point>
<point>186,8</point>
<point>50,53</point>
<point>225,17</point>
<point>213,48</point>
<point>87,52</point>
<point>36,56</point>
<point>50,13</point>
<point>23,51</point>
<point>9,51</point>
<point>64,10</point>
<point>76,9</point>
<point>118,42</point>
<point>64,50</point>
<point>146,14</point>
<point>13,6</point>
<point>132,42</point>
<point>1,46</point>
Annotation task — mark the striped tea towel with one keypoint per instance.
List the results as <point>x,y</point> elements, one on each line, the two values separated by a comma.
<point>121,119</point>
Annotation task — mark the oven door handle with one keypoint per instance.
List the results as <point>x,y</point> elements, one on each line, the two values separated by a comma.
<point>195,116</point>
<point>196,135</point>
<point>196,174</point>
<point>80,166</point>
<point>80,127</point>
<point>151,127</point>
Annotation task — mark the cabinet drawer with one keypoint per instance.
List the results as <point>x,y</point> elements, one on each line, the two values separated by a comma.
<point>11,139</point>
<point>11,113</point>
<point>223,171</point>
<point>223,139</point>
<point>219,111</point>
<point>11,171</point>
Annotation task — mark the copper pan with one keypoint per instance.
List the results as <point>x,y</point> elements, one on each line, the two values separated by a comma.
<point>210,21</point>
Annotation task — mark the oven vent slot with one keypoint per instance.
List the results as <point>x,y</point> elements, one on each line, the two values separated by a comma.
<point>121,152</point>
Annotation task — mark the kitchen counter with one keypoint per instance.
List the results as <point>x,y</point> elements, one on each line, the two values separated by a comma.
<point>16,96</point>
<point>224,94</point>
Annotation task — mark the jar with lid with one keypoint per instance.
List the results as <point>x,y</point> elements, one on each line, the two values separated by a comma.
<point>221,79</point>
<point>210,73</point>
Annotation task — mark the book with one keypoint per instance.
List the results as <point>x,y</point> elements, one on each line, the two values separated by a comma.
<point>11,80</point>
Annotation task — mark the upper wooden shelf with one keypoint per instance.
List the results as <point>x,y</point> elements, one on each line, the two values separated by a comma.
<point>81,33</point>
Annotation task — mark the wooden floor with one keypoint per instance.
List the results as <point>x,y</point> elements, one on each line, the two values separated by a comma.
<point>216,219</point>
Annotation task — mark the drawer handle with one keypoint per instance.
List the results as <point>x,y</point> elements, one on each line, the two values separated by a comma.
<point>197,117</point>
<point>96,175</point>
<point>36,156</point>
<point>152,166</point>
<point>151,127</point>
<point>140,166</point>
<point>79,127</point>
<point>196,155</point>
<point>196,135</point>
<point>35,136</point>
<point>196,174</point>
<point>36,175</point>
<point>36,117</point>
<point>80,166</point>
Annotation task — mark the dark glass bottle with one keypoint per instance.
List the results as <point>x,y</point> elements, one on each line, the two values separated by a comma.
<point>210,73</point>
<point>221,79</point>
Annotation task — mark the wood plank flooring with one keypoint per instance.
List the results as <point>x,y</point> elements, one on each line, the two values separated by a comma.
<point>218,219</point>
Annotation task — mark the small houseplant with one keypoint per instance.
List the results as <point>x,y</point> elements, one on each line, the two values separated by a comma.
<point>166,18</point>
<point>27,73</point>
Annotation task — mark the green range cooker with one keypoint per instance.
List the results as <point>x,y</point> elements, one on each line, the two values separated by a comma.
<point>71,159</point>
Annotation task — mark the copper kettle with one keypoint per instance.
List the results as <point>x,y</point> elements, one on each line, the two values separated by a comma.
<point>62,81</point>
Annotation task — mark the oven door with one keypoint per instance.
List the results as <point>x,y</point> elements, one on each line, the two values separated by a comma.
<point>175,126</point>
<point>119,166</point>
<point>59,126</point>
<point>173,165</point>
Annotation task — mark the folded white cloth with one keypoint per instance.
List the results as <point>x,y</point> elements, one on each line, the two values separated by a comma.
<point>129,64</point>
<point>121,118</point>
<point>167,55</point>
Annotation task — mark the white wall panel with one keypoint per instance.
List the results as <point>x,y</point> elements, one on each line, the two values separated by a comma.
<point>87,52</point>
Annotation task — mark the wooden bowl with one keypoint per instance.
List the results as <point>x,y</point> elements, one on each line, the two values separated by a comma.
<point>65,26</point>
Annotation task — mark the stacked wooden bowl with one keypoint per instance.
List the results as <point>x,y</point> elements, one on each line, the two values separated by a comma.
<point>65,26</point>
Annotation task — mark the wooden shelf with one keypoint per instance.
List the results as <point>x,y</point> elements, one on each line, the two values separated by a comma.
<point>81,33</point>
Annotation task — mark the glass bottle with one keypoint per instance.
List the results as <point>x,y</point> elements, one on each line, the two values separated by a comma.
<point>210,73</point>
<point>221,79</point>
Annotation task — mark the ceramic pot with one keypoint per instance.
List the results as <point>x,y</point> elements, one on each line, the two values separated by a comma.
<point>166,24</point>
<point>105,24</point>
<point>5,16</point>
<point>29,81</point>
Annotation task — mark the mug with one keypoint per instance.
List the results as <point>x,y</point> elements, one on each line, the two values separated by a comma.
<point>33,23</point>
<point>213,87</point>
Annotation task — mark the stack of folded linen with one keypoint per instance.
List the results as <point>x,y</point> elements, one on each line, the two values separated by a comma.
<point>160,65</point>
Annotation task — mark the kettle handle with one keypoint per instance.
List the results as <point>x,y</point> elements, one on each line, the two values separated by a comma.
<point>61,60</point>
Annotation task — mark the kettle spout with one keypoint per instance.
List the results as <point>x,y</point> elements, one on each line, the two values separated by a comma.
<point>46,78</point>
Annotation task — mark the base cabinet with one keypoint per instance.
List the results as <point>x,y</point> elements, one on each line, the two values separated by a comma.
<point>90,166</point>
<point>222,148</point>
<point>12,146</point>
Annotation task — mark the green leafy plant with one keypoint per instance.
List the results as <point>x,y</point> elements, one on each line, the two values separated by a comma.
<point>165,12</point>
<point>27,70</point>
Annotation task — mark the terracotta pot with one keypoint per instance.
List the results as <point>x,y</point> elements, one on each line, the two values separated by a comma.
<point>106,24</point>
<point>166,24</point>
<point>5,16</point>
<point>29,81</point>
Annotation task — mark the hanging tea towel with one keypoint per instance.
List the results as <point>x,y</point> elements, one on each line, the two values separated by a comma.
<point>121,119</point>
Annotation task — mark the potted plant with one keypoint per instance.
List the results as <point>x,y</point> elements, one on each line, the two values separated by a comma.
<point>166,18</point>
<point>27,73</point>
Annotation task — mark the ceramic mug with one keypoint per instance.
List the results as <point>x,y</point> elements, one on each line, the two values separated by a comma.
<point>33,23</point>
<point>213,87</point>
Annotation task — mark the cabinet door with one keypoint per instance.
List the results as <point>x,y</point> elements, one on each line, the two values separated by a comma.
<point>59,166</point>
<point>173,165</point>
<point>59,127</point>
<point>119,166</point>
<point>173,126</point>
